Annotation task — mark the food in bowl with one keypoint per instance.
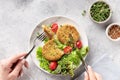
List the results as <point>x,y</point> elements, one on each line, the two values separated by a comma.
<point>100,11</point>
<point>113,31</point>
<point>61,51</point>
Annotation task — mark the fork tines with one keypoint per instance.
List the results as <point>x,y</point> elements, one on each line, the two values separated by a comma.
<point>41,36</point>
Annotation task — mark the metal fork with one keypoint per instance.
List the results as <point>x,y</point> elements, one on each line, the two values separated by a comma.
<point>41,37</point>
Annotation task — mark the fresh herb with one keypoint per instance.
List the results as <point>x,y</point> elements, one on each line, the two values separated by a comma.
<point>84,13</point>
<point>100,11</point>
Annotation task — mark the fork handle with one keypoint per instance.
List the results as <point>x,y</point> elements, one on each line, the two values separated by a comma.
<point>29,52</point>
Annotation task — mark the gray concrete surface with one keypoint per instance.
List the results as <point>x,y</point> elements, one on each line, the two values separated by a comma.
<point>18,18</point>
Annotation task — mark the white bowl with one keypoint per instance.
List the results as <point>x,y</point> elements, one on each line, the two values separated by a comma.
<point>102,22</point>
<point>107,30</point>
<point>59,20</point>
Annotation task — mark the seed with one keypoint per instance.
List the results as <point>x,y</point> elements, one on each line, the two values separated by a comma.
<point>114,31</point>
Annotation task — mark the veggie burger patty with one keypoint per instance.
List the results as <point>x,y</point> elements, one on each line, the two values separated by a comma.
<point>51,52</point>
<point>63,34</point>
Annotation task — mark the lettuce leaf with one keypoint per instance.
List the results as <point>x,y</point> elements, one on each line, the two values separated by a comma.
<point>59,44</point>
<point>43,62</point>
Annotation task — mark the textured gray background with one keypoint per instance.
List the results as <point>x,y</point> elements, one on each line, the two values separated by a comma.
<point>18,18</point>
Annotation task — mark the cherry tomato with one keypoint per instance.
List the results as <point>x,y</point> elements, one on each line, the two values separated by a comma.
<point>67,49</point>
<point>53,65</point>
<point>54,27</point>
<point>79,44</point>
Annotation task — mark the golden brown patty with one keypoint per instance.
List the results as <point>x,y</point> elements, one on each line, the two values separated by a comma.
<point>48,31</point>
<point>64,33</point>
<point>51,52</point>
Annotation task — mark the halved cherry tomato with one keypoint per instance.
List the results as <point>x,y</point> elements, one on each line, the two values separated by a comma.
<point>53,65</point>
<point>67,49</point>
<point>79,44</point>
<point>54,27</point>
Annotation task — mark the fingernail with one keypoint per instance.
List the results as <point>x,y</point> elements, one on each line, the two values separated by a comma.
<point>21,74</point>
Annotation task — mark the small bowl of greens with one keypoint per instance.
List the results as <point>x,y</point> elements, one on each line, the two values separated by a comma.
<point>100,12</point>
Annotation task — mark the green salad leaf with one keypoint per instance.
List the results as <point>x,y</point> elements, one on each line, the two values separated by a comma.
<point>83,51</point>
<point>43,62</point>
<point>59,44</point>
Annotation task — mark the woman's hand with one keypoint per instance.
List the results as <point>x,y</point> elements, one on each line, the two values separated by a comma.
<point>11,68</point>
<point>92,75</point>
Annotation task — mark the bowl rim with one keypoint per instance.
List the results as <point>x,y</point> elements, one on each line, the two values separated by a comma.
<point>107,30</point>
<point>104,20</point>
<point>38,25</point>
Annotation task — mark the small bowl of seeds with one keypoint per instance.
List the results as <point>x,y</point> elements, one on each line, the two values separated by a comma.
<point>100,12</point>
<point>113,31</point>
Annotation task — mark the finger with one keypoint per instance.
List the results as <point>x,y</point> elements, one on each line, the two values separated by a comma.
<point>17,69</point>
<point>21,72</point>
<point>86,77</point>
<point>15,58</point>
<point>91,73</point>
<point>98,77</point>
<point>26,64</point>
